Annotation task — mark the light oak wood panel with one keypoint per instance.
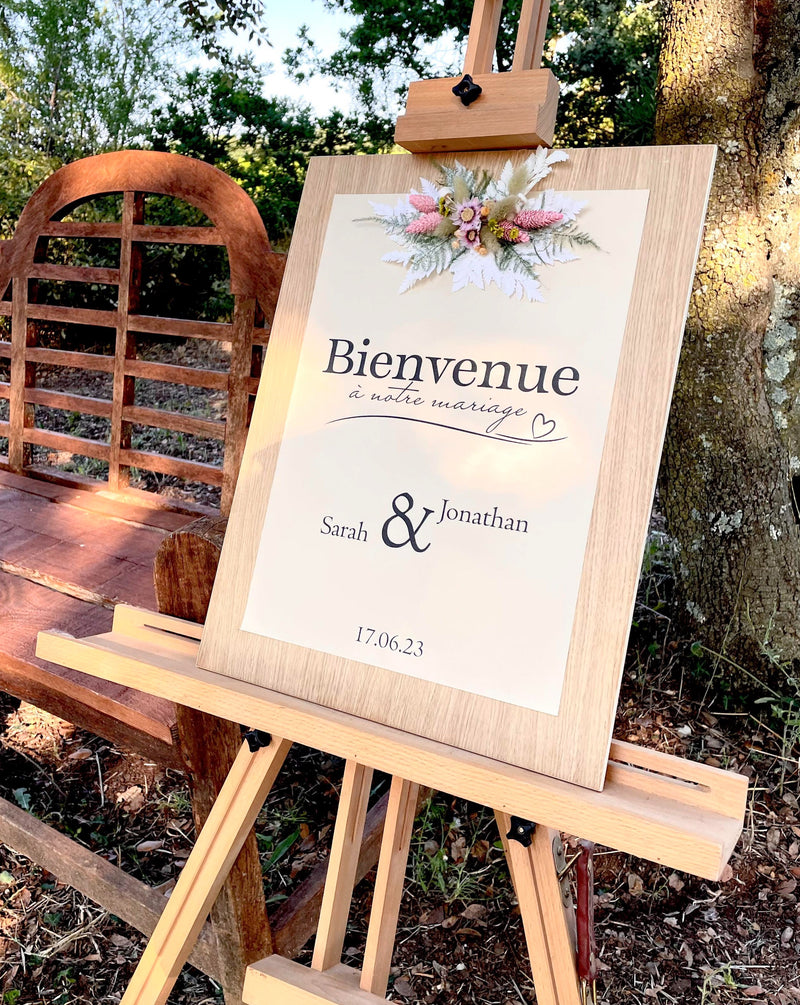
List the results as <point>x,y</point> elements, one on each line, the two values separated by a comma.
<point>573,745</point>
<point>547,933</point>
<point>278,980</point>
<point>482,36</point>
<point>381,934</point>
<point>516,109</point>
<point>651,812</point>
<point>342,866</point>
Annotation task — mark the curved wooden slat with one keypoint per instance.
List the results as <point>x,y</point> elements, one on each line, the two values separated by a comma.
<point>255,269</point>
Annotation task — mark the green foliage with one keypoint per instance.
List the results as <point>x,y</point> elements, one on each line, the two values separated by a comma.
<point>451,856</point>
<point>221,116</point>
<point>605,53</point>
<point>209,19</point>
<point>77,77</point>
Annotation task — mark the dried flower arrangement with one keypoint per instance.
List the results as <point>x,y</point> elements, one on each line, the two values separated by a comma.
<point>485,230</point>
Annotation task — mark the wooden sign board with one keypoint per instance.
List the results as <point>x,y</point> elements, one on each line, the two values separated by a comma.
<point>445,493</point>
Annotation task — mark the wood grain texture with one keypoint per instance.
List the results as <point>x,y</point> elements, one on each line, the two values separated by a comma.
<point>124,386</point>
<point>655,821</point>
<point>382,931</point>
<point>238,918</point>
<point>185,566</point>
<point>547,934</point>
<point>573,745</point>
<point>193,471</point>
<point>516,109</point>
<point>482,36</point>
<point>295,921</point>
<point>133,720</point>
<point>137,508</point>
<point>531,34</point>
<point>184,570</point>
<point>278,980</point>
<point>255,271</point>
<point>342,865</point>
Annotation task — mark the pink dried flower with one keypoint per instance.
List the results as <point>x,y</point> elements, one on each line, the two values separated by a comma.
<point>535,219</point>
<point>467,215</point>
<point>470,236</point>
<point>424,224</point>
<point>507,230</point>
<point>422,203</point>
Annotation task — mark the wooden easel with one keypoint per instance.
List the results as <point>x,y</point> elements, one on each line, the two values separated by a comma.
<point>682,815</point>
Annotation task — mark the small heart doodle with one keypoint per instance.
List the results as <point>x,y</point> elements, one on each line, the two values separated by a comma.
<point>541,427</point>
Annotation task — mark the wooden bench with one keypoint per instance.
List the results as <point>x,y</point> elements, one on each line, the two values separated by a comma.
<point>71,545</point>
<point>56,567</point>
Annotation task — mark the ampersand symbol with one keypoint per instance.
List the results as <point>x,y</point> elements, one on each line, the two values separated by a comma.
<point>402,516</point>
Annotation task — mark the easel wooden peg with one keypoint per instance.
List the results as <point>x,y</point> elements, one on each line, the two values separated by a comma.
<point>499,111</point>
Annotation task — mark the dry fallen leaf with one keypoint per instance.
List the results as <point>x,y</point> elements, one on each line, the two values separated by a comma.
<point>635,884</point>
<point>434,917</point>
<point>132,799</point>
<point>473,911</point>
<point>458,849</point>
<point>403,987</point>
<point>145,846</point>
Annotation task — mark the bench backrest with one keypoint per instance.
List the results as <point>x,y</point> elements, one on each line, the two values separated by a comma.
<point>28,272</point>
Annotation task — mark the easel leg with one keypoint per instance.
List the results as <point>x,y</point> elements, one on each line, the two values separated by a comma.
<point>400,815</point>
<point>550,947</point>
<point>342,866</point>
<point>215,851</point>
<point>209,746</point>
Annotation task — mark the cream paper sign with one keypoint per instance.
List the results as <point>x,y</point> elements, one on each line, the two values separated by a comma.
<point>431,502</point>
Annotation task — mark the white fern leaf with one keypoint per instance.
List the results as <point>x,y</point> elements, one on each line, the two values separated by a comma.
<point>529,288</point>
<point>398,257</point>
<point>382,210</point>
<point>557,202</point>
<point>468,269</point>
<point>412,278</point>
<point>499,188</point>
<point>429,188</point>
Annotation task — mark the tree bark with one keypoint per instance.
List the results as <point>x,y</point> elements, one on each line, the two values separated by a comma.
<point>730,74</point>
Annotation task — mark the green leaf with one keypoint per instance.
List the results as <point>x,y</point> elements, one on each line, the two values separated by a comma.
<point>22,796</point>
<point>281,848</point>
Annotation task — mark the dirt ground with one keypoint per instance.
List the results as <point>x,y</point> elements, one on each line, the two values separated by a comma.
<point>664,937</point>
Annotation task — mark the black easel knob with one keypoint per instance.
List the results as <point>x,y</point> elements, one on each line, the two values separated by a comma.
<point>256,739</point>
<point>467,90</point>
<point>522,831</point>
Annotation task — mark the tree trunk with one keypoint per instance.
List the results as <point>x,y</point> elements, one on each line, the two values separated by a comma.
<point>730,74</point>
